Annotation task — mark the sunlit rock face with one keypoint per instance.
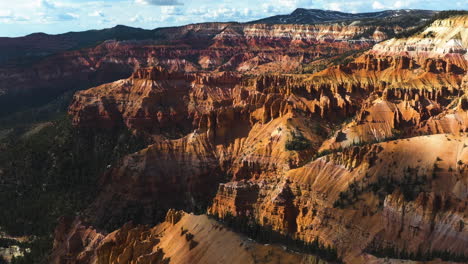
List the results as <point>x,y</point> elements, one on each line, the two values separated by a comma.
<point>302,202</point>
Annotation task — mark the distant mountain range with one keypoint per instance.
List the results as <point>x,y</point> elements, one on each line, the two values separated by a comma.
<point>23,50</point>
<point>313,16</point>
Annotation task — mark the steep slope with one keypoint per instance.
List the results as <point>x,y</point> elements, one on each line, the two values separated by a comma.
<point>182,238</point>
<point>366,199</point>
<point>404,95</point>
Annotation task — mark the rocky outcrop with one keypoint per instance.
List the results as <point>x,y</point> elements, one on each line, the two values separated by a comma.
<point>226,124</point>
<point>154,97</point>
<point>454,120</point>
<point>442,37</point>
<point>352,195</point>
<point>392,115</point>
<point>177,174</point>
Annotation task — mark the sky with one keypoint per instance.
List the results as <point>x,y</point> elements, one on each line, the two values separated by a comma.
<point>22,17</point>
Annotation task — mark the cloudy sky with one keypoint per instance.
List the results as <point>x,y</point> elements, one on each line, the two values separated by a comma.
<point>21,17</point>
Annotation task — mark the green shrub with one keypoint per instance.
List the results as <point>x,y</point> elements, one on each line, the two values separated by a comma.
<point>266,235</point>
<point>395,253</point>
<point>297,142</point>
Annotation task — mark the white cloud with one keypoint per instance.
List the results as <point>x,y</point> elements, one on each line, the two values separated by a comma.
<point>172,10</point>
<point>67,16</point>
<point>335,6</point>
<point>8,17</point>
<point>6,14</point>
<point>47,18</point>
<point>137,18</point>
<point>290,4</point>
<point>21,19</point>
<point>197,11</point>
<point>247,12</point>
<point>399,4</point>
<point>276,7</point>
<point>220,14</point>
<point>377,5</point>
<point>159,2</point>
<point>270,9</point>
<point>97,14</point>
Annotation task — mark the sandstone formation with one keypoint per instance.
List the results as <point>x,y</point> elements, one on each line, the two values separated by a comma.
<point>221,119</point>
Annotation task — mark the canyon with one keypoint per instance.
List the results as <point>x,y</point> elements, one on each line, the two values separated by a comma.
<point>252,48</point>
<point>366,157</point>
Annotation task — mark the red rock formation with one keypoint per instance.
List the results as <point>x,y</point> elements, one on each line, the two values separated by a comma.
<point>224,119</point>
<point>454,119</point>
<point>418,88</point>
<point>253,149</point>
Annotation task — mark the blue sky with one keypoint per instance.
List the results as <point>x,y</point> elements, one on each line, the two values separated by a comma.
<point>21,17</point>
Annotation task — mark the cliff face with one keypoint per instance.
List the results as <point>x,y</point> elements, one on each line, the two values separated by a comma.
<point>447,36</point>
<point>157,98</point>
<point>277,148</point>
<point>453,119</point>
<point>417,82</point>
<point>227,125</point>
